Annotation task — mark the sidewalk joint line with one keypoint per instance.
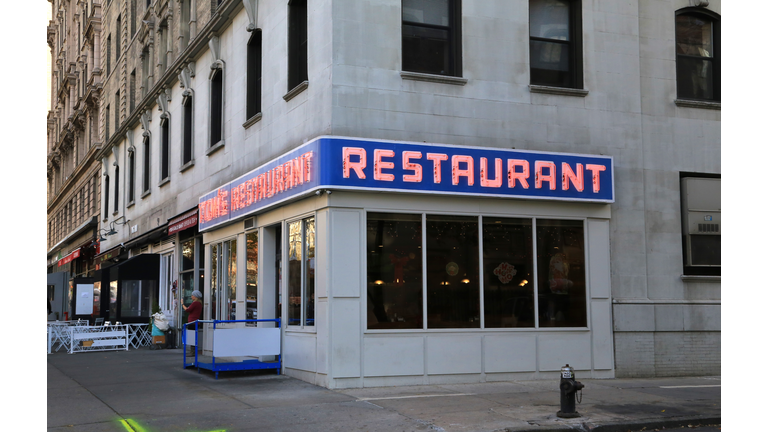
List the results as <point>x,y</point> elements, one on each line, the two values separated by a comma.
<point>416,396</point>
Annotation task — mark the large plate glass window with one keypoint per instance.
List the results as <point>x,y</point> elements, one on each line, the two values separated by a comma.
<point>453,285</point>
<point>508,272</point>
<point>394,271</point>
<point>301,272</point>
<point>561,273</point>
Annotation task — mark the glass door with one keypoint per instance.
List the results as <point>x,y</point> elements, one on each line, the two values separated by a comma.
<point>223,280</point>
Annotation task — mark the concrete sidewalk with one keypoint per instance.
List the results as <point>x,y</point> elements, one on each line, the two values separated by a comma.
<point>148,391</point>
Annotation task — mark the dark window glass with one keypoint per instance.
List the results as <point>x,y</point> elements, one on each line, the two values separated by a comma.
<point>106,197</point>
<point>117,188</point>
<point>187,156</point>
<point>705,250</point>
<point>251,274</point>
<point>431,36</point>
<point>132,91</point>
<point>453,288</point>
<point>118,28</point>
<point>217,102</point>
<point>253,90</point>
<point>698,67</point>
<point>561,273</point>
<point>555,43</point>
<point>146,164</point>
<point>297,43</point>
<point>109,54</point>
<point>508,272</point>
<point>131,176</point>
<point>394,271</point>
<point>166,148</point>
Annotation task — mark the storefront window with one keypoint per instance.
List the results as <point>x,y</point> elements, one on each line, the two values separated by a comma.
<point>561,273</point>
<point>394,271</point>
<point>508,272</point>
<point>135,299</point>
<point>187,274</point>
<point>509,264</point>
<point>301,272</point>
<point>113,300</point>
<point>224,280</point>
<point>251,274</point>
<point>453,285</point>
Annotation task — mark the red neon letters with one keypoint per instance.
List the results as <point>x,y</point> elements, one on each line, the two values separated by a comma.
<point>518,171</point>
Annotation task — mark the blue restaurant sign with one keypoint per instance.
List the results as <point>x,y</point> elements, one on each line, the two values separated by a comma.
<point>342,163</point>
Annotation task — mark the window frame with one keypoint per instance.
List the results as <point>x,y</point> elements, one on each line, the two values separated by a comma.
<point>187,129</point>
<point>165,149</point>
<point>575,49</point>
<point>217,75</point>
<point>690,270</point>
<point>535,270</point>
<point>302,326</point>
<point>131,175</point>
<point>146,185</point>
<point>714,19</point>
<point>454,40</point>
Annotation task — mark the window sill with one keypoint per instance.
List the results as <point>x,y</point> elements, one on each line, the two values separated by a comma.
<point>114,213</point>
<point>695,278</point>
<point>212,149</point>
<point>440,79</point>
<point>187,166</point>
<point>561,91</point>
<point>130,204</point>
<point>146,194</point>
<point>164,182</point>
<point>253,120</point>
<point>296,90</point>
<point>685,103</point>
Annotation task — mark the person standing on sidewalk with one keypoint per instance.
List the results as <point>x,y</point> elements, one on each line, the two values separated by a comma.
<point>194,309</point>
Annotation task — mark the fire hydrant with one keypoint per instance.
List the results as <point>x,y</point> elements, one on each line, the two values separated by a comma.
<point>568,388</point>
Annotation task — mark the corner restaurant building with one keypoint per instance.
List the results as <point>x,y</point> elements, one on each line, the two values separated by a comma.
<point>397,263</point>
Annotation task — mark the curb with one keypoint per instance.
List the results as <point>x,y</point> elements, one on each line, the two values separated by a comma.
<point>634,426</point>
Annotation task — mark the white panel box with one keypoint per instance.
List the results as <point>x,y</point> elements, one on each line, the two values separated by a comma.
<point>345,254</point>
<point>393,356</point>
<point>558,349</point>
<point>510,353</point>
<point>248,341</point>
<point>454,354</point>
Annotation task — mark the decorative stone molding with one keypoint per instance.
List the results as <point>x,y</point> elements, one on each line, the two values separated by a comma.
<point>296,90</point>
<point>699,3</point>
<point>145,118</point>
<point>214,44</point>
<point>115,154</point>
<point>252,10</point>
<point>129,138</point>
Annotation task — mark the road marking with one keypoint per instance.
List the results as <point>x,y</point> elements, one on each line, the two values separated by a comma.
<point>416,396</point>
<point>132,426</point>
<point>691,386</point>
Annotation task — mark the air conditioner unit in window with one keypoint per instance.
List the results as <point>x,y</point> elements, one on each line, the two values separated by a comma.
<point>702,224</point>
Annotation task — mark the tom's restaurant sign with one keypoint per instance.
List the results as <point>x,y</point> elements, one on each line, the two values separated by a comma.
<point>361,164</point>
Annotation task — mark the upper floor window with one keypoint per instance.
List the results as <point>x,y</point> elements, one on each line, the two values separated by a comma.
<point>186,128</point>
<point>109,54</point>
<point>131,175</point>
<point>432,36</point>
<point>697,45</point>
<point>555,43</point>
<point>217,107</point>
<point>146,178</point>
<point>117,188</point>
<point>297,43</point>
<point>106,196</point>
<point>253,85</point>
<point>165,149</point>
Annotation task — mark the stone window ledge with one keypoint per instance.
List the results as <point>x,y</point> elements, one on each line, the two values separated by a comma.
<point>562,91</point>
<point>253,120</point>
<point>440,79</point>
<point>685,103</point>
<point>696,278</point>
<point>296,90</point>
<point>214,148</point>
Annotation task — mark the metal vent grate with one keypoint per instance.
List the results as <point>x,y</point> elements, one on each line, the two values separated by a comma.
<point>249,223</point>
<point>709,228</point>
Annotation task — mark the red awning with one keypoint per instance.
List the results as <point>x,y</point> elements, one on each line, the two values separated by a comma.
<point>187,220</point>
<point>67,259</point>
